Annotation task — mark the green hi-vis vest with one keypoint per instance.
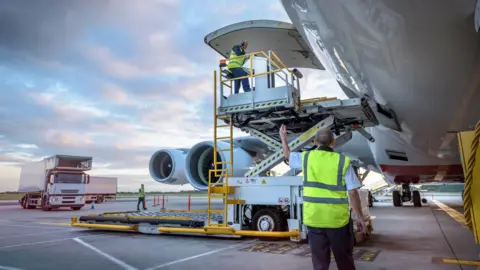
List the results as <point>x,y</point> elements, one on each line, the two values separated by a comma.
<point>141,193</point>
<point>325,200</point>
<point>236,61</point>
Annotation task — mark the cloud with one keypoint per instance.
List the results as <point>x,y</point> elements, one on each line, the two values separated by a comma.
<point>113,79</point>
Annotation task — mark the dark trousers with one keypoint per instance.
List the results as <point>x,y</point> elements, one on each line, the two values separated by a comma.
<point>141,200</point>
<point>340,241</point>
<point>237,73</point>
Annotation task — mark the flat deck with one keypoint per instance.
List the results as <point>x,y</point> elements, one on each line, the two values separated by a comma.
<point>404,238</point>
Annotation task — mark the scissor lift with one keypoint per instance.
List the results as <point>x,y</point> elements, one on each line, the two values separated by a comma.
<point>256,204</point>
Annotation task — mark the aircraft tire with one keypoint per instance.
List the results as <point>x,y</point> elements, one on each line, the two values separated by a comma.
<point>397,200</point>
<point>417,201</point>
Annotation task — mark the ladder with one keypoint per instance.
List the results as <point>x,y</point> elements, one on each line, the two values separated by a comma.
<point>220,190</point>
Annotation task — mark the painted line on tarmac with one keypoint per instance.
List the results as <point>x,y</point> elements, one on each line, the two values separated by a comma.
<point>438,260</point>
<point>46,242</point>
<point>107,256</point>
<point>35,234</point>
<point>452,213</point>
<point>200,255</point>
<point>28,226</point>
<point>55,223</point>
<point>2,267</point>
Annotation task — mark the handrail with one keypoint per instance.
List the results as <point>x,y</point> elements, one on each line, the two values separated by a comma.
<point>279,66</point>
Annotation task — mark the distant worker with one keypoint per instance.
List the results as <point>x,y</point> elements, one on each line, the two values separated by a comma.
<point>326,178</point>
<point>141,198</point>
<point>235,66</point>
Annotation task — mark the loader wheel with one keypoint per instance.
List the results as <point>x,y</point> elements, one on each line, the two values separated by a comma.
<point>269,220</point>
<point>397,200</point>
<point>417,201</point>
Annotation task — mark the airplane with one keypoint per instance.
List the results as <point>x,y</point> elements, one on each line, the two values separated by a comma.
<point>417,61</point>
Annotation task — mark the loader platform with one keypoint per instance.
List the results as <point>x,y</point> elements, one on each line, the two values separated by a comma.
<point>256,205</point>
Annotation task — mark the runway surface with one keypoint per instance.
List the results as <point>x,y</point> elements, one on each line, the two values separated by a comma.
<point>404,238</point>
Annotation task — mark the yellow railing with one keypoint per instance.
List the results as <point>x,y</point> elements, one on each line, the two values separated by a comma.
<point>273,60</point>
<point>225,173</point>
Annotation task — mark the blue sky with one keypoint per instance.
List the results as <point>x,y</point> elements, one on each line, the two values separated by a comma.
<point>115,80</point>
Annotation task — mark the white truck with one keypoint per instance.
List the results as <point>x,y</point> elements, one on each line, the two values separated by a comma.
<point>54,182</point>
<point>101,189</point>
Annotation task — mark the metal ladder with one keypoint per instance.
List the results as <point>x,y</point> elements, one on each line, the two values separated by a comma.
<point>219,190</point>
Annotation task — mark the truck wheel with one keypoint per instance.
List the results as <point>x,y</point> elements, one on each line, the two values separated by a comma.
<point>397,200</point>
<point>76,208</point>
<point>417,201</point>
<point>45,205</point>
<point>269,220</point>
<point>99,200</point>
<point>27,203</point>
<point>23,202</point>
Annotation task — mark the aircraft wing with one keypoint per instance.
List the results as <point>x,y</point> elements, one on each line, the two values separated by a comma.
<point>264,35</point>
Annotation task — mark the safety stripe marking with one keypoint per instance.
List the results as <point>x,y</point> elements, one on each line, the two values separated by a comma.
<point>452,213</point>
<point>258,105</point>
<point>437,260</point>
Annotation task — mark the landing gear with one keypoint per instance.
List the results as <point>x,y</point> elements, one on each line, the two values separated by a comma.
<point>370,199</point>
<point>406,194</point>
<point>416,198</point>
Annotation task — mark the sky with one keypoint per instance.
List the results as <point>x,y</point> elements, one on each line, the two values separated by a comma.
<point>115,80</point>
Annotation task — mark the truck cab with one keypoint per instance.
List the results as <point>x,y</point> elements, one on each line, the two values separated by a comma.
<point>66,189</point>
<point>54,182</point>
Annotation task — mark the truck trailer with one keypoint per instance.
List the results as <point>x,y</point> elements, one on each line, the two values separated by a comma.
<point>54,182</point>
<point>101,189</point>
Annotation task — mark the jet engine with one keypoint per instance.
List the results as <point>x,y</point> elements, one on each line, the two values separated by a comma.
<point>167,166</point>
<point>200,160</point>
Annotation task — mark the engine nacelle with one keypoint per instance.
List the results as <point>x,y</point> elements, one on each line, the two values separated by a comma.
<point>167,166</point>
<point>200,160</point>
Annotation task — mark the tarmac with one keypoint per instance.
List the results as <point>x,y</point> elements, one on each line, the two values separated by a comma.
<point>430,237</point>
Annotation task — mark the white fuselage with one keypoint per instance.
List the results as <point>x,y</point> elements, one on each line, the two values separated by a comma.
<point>418,57</point>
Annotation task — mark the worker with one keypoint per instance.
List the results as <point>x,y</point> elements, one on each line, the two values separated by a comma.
<point>141,198</point>
<point>326,178</point>
<point>235,66</point>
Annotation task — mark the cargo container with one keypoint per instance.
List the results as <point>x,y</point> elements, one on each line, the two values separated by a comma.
<point>101,189</point>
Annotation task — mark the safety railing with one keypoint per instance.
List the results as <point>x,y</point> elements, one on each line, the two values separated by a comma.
<point>276,66</point>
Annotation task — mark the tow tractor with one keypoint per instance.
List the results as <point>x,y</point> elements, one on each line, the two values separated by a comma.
<point>257,204</point>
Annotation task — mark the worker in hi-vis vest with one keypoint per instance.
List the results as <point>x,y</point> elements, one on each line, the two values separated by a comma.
<point>141,198</point>
<point>235,66</point>
<point>327,177</point>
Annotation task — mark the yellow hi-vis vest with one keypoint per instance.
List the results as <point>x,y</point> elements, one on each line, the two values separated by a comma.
<point>236,61</point>
<point>325,200</point>
<point>141,193</point>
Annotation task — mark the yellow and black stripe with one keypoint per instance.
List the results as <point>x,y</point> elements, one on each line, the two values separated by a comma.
<point>258,105</point>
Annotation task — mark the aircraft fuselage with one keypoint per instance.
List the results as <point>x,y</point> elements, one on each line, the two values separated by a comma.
<point>419,58</point>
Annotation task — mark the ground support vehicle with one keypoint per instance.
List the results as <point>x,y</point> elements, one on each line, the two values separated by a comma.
<point>256,204</point>
<point>55,182</point>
